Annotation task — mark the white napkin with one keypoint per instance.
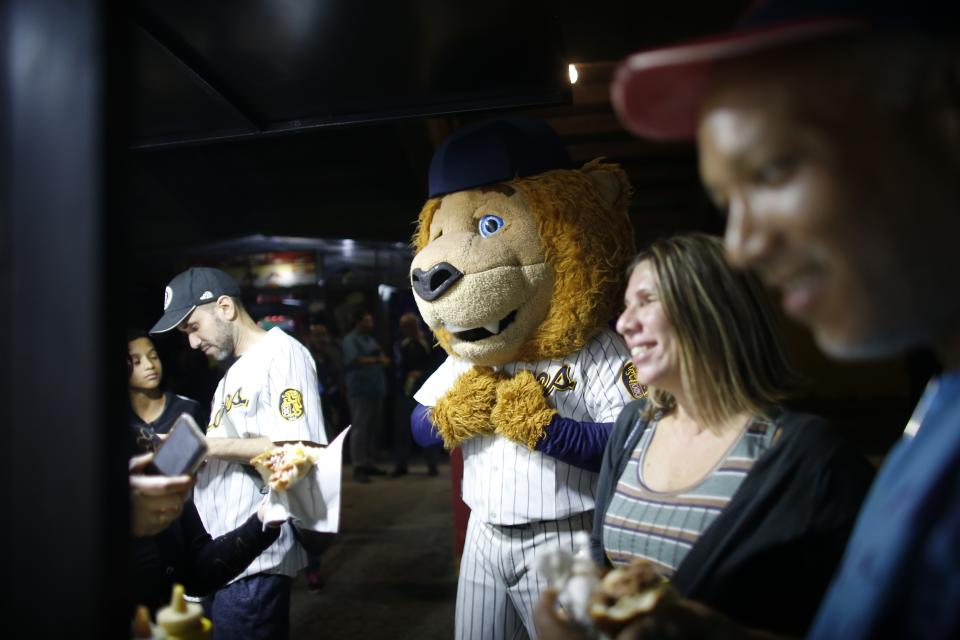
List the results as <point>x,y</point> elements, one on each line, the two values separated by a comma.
<point>313,502</point>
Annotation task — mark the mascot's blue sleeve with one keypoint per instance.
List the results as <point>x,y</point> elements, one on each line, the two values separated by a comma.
<point>578,443</point>
<point>421,426</point>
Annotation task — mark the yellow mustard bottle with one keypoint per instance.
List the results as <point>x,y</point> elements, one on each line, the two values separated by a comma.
<point>184,620</point>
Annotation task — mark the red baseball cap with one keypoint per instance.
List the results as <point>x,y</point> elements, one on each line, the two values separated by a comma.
<point>657,93</point>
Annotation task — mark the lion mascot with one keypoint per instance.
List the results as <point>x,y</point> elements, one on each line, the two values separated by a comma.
<point>520,265</point>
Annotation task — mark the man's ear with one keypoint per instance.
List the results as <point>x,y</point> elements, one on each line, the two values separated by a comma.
<point>227,308</point>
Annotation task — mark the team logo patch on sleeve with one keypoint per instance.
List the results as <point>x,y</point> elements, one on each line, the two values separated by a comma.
<point>291,404</point>
<point>628,376</point>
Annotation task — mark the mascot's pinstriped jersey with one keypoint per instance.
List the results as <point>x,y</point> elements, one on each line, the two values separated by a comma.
<point>270,391</point>
<point>507,483</point>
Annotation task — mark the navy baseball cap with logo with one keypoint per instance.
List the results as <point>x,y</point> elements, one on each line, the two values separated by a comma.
<point>188,290</point>
<point>495,151</point>
<point>658,93</point>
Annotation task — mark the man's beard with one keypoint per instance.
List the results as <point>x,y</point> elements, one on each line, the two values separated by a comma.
<point>223,343</point>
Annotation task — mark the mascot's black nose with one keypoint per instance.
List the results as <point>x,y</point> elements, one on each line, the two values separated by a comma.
<point>432,283</point>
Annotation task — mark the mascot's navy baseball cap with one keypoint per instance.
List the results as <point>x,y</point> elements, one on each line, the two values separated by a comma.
<point>193,287</point>
<point>495,151</point>
<point>658,93</point>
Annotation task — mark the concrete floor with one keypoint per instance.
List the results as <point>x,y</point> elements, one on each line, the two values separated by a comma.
<point>391,572</point>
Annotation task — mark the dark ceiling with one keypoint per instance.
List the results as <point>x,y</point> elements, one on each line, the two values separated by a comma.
<point>318,119</point>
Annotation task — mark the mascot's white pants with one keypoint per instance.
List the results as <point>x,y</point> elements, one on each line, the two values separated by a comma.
<point>499,585</point>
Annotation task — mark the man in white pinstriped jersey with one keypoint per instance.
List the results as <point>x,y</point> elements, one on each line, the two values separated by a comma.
<point>477,241</point>
<point>267,397</point>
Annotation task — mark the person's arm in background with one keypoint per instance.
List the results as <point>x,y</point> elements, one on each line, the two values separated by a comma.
<point>211,563</point>
<point>377,358</point>
<point>353,355</point>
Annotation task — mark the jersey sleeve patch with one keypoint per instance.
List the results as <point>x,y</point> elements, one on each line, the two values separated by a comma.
<point>628,376</point>
<point>291,404</point>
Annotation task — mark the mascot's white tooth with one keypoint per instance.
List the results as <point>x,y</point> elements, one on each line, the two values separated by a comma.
<point>493,328</point>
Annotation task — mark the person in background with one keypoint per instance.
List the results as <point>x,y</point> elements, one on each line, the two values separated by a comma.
<point>829,134</point>
<point>268,397</point>
<point>329,360</point>
<point>326,355</point>
<point>414,363</point>
<point>709,479</point>
<point>366,388</point>
<point>152,411</point>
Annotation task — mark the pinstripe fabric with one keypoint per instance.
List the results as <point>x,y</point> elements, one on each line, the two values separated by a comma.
<point>663,526</point>
<point>521,500</point>
<point>498,586</point>
<point>246,404</point>
<point>504,482</point>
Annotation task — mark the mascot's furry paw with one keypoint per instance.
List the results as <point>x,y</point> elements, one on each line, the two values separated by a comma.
<point>464,411</point>
<point>521,413</point>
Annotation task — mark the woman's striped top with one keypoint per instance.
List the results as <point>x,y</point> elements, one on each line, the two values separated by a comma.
<point>663,526</point>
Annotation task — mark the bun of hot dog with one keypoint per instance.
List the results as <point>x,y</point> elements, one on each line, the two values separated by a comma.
<point>625,594</point>
<point>281,467</point>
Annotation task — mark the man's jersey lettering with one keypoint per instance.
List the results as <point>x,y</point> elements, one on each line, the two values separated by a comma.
<point>229,402</point>
<point>561,381</point>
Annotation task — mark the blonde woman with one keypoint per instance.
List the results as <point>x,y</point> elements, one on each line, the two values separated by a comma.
<point>743,505</point>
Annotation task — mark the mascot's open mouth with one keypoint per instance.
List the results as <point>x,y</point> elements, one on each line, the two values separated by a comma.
<point>480,333</point>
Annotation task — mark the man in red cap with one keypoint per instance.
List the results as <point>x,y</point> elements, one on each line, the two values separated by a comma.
<point>829,134</point>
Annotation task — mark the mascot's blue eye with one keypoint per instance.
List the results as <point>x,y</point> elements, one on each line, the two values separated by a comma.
<point>490,224</point>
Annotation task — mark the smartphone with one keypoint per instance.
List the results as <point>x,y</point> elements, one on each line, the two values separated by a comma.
<point>183,451</point>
